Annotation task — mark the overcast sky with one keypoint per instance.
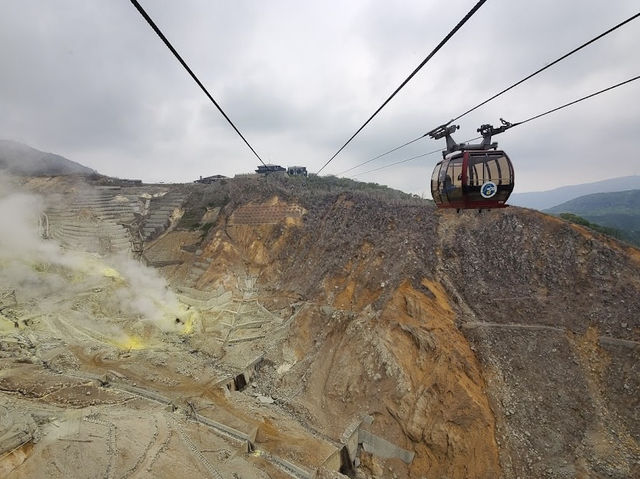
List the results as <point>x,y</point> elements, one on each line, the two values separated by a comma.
<point>90,80</point>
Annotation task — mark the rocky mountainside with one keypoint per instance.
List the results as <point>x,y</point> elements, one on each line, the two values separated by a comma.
<point>19,159</point>
<point>358,333</point>
<point>500,343</point>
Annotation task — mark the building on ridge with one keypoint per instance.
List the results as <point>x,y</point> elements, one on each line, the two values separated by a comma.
<point>297,171</point>
<point>269,169</point>
<point>207,180</point>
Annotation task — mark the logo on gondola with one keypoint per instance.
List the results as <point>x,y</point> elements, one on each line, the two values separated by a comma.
<point>488,189</point>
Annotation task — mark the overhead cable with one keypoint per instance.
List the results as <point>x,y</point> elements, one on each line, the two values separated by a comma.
<point>399,162</point>
<point>513,125</point>
<point>418,68</point>
<point>576,101</point>
<point>411,159</point>
<point>540,70</point>
<point>566,55</point>
<point>195,78</point>
<point>380,156</point>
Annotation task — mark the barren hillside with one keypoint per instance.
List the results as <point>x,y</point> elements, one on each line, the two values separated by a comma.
<point>312,328</point>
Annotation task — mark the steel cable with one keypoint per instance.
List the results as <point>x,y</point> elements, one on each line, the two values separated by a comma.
<point>528,77</point>
<point>566,55</point>
<point>195,78</point>
<point>418,68</point>
<point>412,158</point>
<point>535,117</point>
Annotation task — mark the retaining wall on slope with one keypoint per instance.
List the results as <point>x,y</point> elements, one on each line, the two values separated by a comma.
<point>261,215</point>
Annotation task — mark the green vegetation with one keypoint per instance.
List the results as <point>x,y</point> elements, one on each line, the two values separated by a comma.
<point>618,214</point>
<point>203,198</point>
<point>191,218</point>
<point>579,220</point>
<point>333,183</point>
<point>205,227</point>
<point>218,199</point>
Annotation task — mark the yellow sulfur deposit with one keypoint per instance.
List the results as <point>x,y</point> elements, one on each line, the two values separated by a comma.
<point>188,323</point>
<point>129,343</point>
<point>6,326</point>
<point>111,273</point>
<point>182,316</point>
<point>91,265</point>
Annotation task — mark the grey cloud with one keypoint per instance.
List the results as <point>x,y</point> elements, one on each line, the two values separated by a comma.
<point>91,81</point>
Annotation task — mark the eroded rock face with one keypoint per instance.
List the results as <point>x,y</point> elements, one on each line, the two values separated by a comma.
<point>443,409</point>
<point>553,314</point>
<point>501,344</point>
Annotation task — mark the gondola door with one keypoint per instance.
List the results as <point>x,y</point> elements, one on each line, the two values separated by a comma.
<point>489,179</point>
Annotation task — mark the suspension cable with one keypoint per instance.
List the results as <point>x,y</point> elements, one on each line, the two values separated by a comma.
<point>528,77</point>
<point>418,68</point>
<point>399,162</point>
<point>380,156</point>
<point>412,158</point>
<point>513,125</point>
<point>576,101</point>
<point>195,78</point>
<point>566,55</point>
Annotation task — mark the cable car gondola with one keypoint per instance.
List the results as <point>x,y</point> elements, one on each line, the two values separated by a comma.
<point>472,176</point>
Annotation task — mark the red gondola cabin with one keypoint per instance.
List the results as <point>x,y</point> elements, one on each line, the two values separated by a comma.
<point>477,176</point>
<point>473,179</point>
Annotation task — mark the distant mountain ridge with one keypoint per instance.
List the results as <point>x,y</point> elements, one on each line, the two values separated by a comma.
<point>542,200</point>
<point>20,159</point>
<point>619,210</point>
